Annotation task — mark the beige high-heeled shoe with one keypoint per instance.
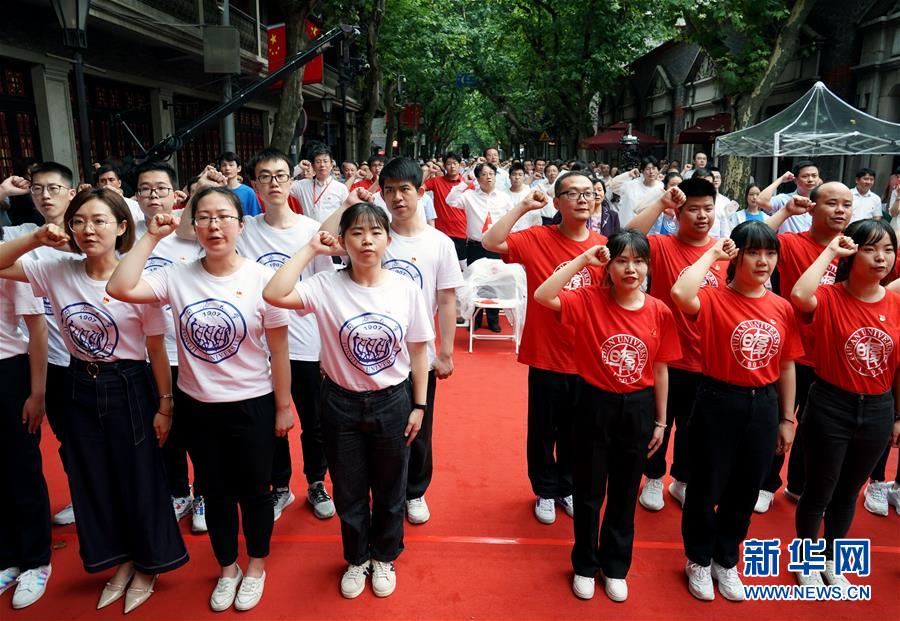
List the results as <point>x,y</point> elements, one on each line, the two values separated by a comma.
<point>113,592</point>
<point>134,596</point>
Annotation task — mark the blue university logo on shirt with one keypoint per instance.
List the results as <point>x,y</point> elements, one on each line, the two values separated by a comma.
<point>212,330</point>
<point>371,342</point>
<point>405,268</point>
<point>156,263</point>
<point>91,330</point>
<point>273,259</point>
<point>48,307</point>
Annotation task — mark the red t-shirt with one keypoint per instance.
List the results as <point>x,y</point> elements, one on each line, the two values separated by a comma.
<point>542,250</point>
<point>365,184</point>
<point>293,203</point>
<point>798,252</point>
<point>669,258</point>
<point>450,220</point>
<point>857,343</point>
<point>745,339</point>
<point>616,348</point>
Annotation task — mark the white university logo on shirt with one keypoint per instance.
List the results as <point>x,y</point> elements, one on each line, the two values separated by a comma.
<point>829,275</point>
<point>754,343</point>
<point>371,342</point>
<point>212,330</point>
<point>92,330</point>
<point>708,281</point>
<point>405,268</point>
<point>626,355</point>
<point>582,277</point>
<point>867,350</point>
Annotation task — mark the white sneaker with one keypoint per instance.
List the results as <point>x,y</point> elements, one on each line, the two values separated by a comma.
<point>250,593</point>
<point>700,582</point>
<point>763,501</point>
<point>583,586</point>
<point>353,582</point>
<point>281,498</point>
<point>894,497</point>
<point>813,579</point>
<point>8,578</point>
<point>568,506</point>
<point>651,497</point>
<point>832,578</point>
<point>322,504</point>
<point>384,578</point>
<point>182,505</point>
<point>545,510</point>
<point>66,515</point>
<point>676,490</point>
<point>226,590</point>
<point>198,516</point>
<point>877,497</point>
<point>417,511</point>
<point>31,586</point>
<point>616,589</point>
<point>730,585</point>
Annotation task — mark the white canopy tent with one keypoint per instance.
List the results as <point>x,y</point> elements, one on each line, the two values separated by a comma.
<point>818,124</point>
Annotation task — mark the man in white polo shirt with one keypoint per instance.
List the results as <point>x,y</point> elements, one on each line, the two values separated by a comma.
<point>322,194</point>
<point>866,203</point>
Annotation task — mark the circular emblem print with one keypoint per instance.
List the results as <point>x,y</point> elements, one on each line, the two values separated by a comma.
<point>582,277</point>
<point>212,330</point>
<point>709,280</point>
<point>371,342</point>
<point>867,350</point>
<point>405,268</point>
<point>91,330</point>
<point>626,355</point>
<point>754,343</point>
<point>828,276</point>
<point>156,263</point>
<point>273,259</point>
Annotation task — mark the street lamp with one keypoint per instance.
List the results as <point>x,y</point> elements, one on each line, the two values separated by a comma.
<point>327,106</point>
<point>72,16</point>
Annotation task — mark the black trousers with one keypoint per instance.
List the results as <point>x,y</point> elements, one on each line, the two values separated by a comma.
<point>611,435</point>
<point>55,403</point>
<point>175,449</point>
<point>367,453</point>
<point>459,244</point>
<point>878,471</point>
<point>25,518</point>
<point>231,445</point>
<point>551,402</point>
<point>306,380</point>
<point>733,432</point>
<point>796,472</point>
<point>679,405</point>
<point>475,251</point>
<point>421,466</point>
<point>844,435</point>
<point>116,474</point>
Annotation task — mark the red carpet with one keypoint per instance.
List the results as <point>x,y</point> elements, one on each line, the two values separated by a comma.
<point>482,555</point>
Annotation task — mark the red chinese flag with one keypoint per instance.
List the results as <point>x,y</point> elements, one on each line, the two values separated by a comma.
<point>314,72</point>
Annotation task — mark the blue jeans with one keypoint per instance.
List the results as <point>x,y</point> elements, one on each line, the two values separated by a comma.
<point>367,452</point>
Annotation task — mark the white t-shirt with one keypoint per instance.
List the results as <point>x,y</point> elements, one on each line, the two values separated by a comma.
<point>16,299</point>
<point>633,193</point>
<point>426,206</point>
<point>530,219</point>
<point>136,214</point>
<point>95,327</point>
<point>319,200</point>
<point>865,206</point>
<point>503,182</point>
<point>57,353</point>
<point>429,260</point>
<point>421,209</point>
<point>722,225</point>
<point>271,247</point>
<point>365,329</point>
<point>222,351</point>
<point>168,251</point>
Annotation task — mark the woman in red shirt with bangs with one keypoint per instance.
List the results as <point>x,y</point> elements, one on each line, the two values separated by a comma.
<point>852,413</point>
<point>749,341</point>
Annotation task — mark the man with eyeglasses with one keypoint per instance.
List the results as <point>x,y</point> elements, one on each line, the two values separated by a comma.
<point>546,345</point>
<point>805,175</point>
<point>322,194</point>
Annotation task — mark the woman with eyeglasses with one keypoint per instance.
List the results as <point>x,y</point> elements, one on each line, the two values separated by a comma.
<point>119,407</point>
<point>237,399</point>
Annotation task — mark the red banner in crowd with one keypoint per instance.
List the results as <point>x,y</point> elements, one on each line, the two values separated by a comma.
<point>314,72</point>
<point>411,116</point>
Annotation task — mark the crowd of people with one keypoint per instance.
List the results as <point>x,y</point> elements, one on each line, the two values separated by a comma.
<point>162,322</point>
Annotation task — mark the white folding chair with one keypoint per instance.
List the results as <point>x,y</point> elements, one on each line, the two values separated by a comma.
<point>494,285</point>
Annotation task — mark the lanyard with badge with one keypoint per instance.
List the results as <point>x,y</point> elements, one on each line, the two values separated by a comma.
<point>316,199</point>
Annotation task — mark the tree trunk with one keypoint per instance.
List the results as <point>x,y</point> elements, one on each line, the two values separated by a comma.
<point>371,102</point>
<point>291,103</point>
<point>747,108</point>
